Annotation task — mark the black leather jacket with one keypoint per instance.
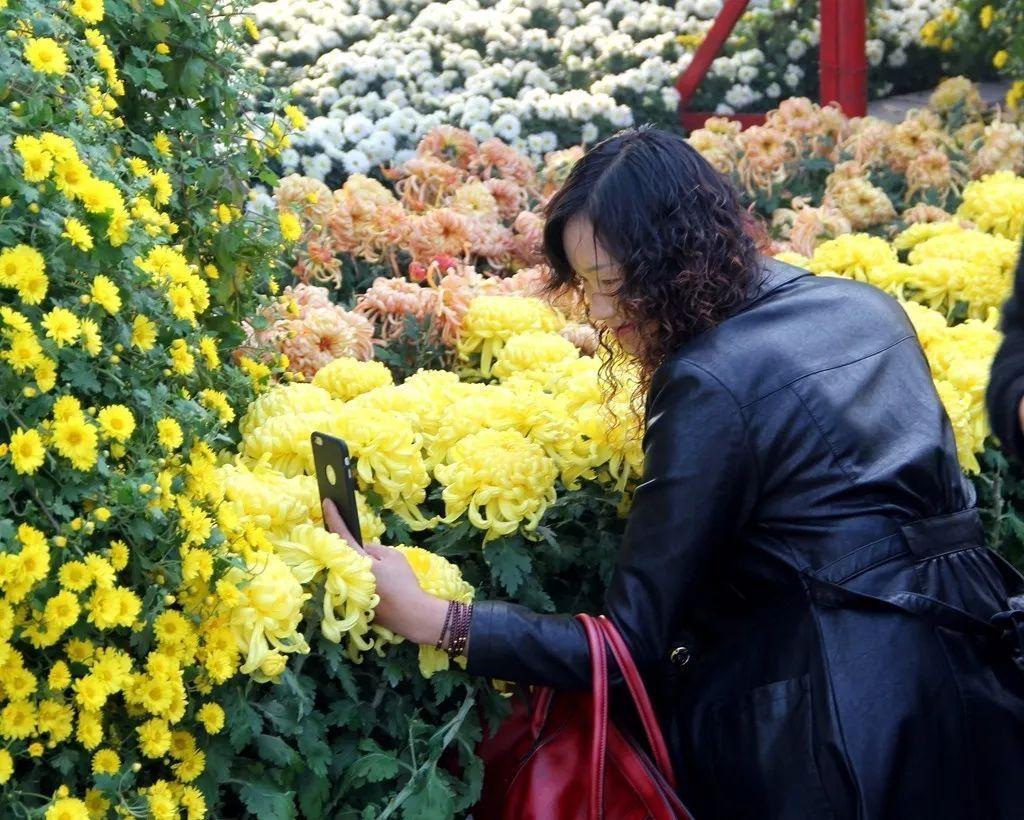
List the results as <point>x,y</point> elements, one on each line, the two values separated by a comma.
<point>804,530</point>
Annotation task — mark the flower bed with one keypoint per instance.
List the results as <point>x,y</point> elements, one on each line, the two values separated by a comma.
<point>544,75</point>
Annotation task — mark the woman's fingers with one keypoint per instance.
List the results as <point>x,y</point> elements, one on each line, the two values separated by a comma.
<point>377,551</point>
<point>334,522</point>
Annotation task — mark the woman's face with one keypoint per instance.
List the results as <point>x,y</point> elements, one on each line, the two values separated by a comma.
<point>601,276</point>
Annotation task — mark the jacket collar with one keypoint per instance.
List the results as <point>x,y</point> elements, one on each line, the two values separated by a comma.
<point>771,276</point>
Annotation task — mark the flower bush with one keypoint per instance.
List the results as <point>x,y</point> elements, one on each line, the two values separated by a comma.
<point>122,597</point>
<point>375,78</point>
<point>982,39</point>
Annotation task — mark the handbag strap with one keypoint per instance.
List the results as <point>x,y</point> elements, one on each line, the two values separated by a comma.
<point>599,739</point>
<point>645,710</point>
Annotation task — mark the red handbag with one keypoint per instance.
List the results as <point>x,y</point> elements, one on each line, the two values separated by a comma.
<point>561,758</point>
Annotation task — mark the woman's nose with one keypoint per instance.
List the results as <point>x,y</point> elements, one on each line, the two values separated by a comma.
<point>602,308</point>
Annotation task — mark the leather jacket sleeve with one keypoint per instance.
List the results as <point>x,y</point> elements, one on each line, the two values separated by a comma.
<point>699,484</point>
<point>1006,386</point>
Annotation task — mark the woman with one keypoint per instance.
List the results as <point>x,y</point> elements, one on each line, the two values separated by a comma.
<point>803,581</point>
<point>1005,395</point>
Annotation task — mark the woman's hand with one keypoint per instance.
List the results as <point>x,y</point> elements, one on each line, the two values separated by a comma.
<point>404,607</point>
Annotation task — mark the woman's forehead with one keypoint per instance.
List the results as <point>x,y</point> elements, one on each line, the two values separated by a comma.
<point>585,252</point>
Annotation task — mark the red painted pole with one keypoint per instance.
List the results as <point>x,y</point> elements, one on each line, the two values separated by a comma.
<point>706,52</point>
<point>828,51</point>
<point>852,71</point>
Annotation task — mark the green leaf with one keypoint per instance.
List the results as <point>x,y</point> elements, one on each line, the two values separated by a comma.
<point>444,683</point>
<point>340,667</point>
<point>281,715</point>
<point>313,747</point>
<point>243,721</point>
<point>375,766</point>
<point>432,800</point>
<point>82,375</point>
<point>313,796</point>
<point>267,802</point>
<point>66,760</point>
<point>509,563</point>
<point>192,76</point>
<point>274,750</point>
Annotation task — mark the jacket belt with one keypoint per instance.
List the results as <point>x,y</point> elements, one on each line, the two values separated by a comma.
<point>925,538</point>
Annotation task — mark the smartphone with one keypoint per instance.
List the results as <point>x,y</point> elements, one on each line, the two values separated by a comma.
<point>334,477</point>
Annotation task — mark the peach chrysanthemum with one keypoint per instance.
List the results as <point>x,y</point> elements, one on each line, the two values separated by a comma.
<point>323,334</point>
<point>495,158</point>
<point>449,144</point>
<point>925,213</point>
<point>437,232</point>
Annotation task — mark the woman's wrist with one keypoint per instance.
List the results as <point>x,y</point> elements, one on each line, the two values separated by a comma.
<point>427,619</point>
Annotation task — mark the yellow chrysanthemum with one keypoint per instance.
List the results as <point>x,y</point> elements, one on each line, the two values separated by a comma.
<point>169,434</point>
<point>289,399</point>
<point>995,203</point>
<point>27,451</point>
<point>500,479</point>
<point>349,585</point>
<point>116,422</point>
<point>211,715</point>
<point>852,255</point>
<point>267,615</point>
<point>37,162</point>
<point>143,332</point>
<point>105,293</point>
<point>491,320</point>
<point>23,267</point>
<point>24,352</point>
<point>793,258</point>
<point>77,233</point>
<point>106,761</point>
<point>67,808</point>
<point>345,378</point>
<point>537,355</point>
<point>89,10</point>
<point>162,144</point>
<point>62,326</point>
<point>46,56</point>
<point>76,440</point>
<point>922,231</point>
<point>291,228</point>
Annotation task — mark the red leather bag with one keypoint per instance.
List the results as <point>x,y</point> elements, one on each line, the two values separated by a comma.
<point>561,758</point>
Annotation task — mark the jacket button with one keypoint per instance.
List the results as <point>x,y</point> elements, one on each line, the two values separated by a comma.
<point>680,656</point>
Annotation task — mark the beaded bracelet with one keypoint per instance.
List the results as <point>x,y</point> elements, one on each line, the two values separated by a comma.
<point>444,628</point>
<point>456,627</point>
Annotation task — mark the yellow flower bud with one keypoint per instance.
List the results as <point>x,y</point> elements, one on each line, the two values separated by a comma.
<point>169,599</point>
<point>6,202</point>
<point>145,488</point>
<point>33,207</point>
<point>85,299</point>
<point>102,514</point>
<point>60,541</point>
<point>76,524</point>
<point>28,392</point>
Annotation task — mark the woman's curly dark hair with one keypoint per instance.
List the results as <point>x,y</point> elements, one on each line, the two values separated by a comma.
<point>688,249</point>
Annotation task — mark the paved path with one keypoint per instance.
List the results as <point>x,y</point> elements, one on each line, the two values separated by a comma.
<point>895,108</point>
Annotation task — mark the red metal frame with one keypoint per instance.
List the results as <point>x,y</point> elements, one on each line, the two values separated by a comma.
<point>844,65</point>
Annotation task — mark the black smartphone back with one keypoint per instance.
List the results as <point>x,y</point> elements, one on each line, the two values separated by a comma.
<point>334,477</point>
